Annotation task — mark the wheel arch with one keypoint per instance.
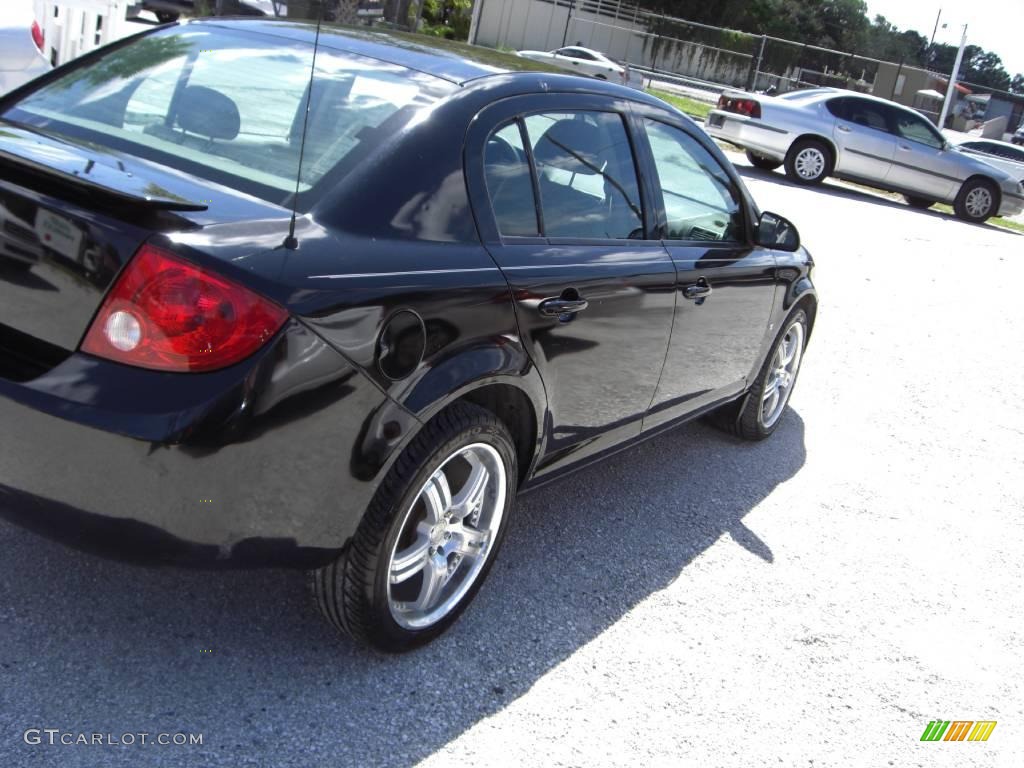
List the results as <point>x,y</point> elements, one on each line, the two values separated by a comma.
<point>991,182</point>
<point>829,144</point>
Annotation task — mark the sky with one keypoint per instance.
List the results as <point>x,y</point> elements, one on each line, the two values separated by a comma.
<point>995,25</point>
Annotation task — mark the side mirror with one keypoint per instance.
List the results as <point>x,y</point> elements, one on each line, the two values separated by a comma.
<point>774,231</point>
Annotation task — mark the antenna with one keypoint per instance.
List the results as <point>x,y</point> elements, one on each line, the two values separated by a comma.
<point>290,242</point>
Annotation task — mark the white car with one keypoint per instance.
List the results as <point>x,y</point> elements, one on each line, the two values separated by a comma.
<point>1001,154</point>
<point>21,45</point>
<point>583,61</point>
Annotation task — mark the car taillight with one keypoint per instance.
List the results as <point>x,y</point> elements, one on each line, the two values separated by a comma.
<point>748,107</point>
<point>37,36</point>
<point>167,314</point>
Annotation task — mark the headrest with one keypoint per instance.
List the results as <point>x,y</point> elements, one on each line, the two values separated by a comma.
<point>208,113</point>
<point>566,142</point>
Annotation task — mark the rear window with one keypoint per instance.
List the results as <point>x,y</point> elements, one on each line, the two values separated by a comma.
<point>229,106</point>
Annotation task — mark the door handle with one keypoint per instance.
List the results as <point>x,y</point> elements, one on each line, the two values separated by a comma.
<point>563,307</point>
<point>843,128</point>
<point>699,290</point>
<point>905,147</point>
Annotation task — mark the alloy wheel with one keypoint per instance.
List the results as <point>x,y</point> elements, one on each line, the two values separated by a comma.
<point>978,202</point>
<point>778,383</point>
<point>446,536</point>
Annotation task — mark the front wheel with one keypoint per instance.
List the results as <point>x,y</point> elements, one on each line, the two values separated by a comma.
<point>764,163</point>
<point>757,415</point>
<point>920,203</point>
<point>429,536</point>
<point>977,201</point>
<point>808,162</point>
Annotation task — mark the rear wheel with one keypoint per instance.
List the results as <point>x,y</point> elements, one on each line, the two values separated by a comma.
<point>764,163</point>
<point>757,415</point>
<point>918,202</point>
<point>977,201</point>
<point>808,162</point>
<point>429,536</point>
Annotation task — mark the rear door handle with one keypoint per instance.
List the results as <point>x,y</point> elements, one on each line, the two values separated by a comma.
<point>562,307</point>
<point>698,290</point>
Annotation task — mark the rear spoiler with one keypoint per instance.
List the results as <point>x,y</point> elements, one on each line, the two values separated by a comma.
<point>115,183</point>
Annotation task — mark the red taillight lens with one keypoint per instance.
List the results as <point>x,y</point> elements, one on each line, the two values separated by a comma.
<point>170,315</point>
<point>37,36</point>
<point>748,107</point>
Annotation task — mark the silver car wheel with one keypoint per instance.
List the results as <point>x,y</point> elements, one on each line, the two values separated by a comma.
<point>809,163</point>
<point>445,539</point>
<point>778,383</point>
<point>978,202</point>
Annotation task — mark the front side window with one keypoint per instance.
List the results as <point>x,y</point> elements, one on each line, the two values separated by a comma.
<point>586,174</point>
<point>228,105</point>
<point>917,129</point>
<point>701,201</point>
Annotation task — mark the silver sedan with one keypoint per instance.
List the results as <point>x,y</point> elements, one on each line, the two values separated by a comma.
<point>871,141</point>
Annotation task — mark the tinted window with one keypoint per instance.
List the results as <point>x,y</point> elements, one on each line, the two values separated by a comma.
<point>701,201</point>
<point>866,113</point>
<point>587,178</point>
<point>916,128</point>
<point>227,105</point>
<point>508,182</point>
<point>837,107</point>
<point>576,53</point>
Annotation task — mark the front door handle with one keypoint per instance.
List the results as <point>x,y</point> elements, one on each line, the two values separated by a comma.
<point>904,147</point>
<point>562,307</point>
<point>699,290</point>
<point>844,128</point>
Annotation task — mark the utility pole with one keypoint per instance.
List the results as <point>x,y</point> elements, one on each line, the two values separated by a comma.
<point>935,29</point>
<point>952,80</point>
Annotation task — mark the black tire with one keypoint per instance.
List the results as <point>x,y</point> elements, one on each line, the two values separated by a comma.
<point>743,417</point>
<point>352,592</point>
<point>918,202</point>
<point>764,163</point>
<point>166,17</point>
<point>963,207</point>
<point>813,146</point>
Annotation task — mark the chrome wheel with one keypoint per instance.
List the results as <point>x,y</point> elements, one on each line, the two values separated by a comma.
<point>978,202</point>
<point>446,537</point>
<point>809,163</point>
<point>779,380</point>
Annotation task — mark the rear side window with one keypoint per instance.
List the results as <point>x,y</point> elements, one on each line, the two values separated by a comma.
<point>509,185</point>
<point>586,175</point>
<point>228,105</point>
<point>865,113</point>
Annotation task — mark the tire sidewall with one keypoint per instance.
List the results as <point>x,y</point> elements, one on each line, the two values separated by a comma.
<point>393,634</point>
<point>960,208</point>
<point>751,415</point>
<point>795,150</point>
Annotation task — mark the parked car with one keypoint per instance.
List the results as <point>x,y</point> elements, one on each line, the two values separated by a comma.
<point>867,140</point>
<point>167,11</point>
<point>22,48</point>
<point>583,61</point>
<point>354,369</point>
<point>1001,154</point>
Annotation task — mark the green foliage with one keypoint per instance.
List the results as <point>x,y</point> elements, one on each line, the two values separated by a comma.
<point>839,25</point>
<point>446,18</point>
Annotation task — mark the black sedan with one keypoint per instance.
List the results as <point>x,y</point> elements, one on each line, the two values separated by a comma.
<point>255,312</point>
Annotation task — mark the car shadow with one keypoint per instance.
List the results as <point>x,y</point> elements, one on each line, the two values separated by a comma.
<point>239,656</point>
<point>836,188</point>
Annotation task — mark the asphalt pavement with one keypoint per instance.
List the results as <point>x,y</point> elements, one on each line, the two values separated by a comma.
<point>812,600</point>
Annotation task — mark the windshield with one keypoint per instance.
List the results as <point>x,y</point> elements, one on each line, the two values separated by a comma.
<point>228,106</point>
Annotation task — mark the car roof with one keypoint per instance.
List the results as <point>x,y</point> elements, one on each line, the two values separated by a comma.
<point>446,59</point>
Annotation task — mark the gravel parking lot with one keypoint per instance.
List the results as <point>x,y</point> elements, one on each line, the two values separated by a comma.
<point>814,599</point>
